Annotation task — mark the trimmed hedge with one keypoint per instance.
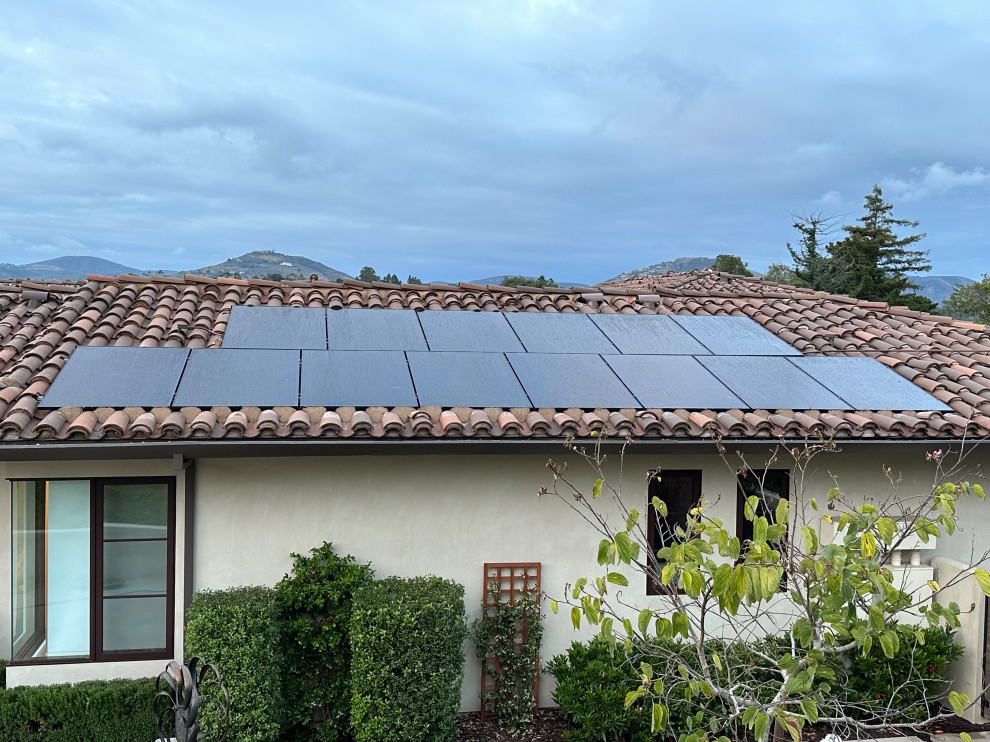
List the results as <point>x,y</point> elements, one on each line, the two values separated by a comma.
<point>109,711</point>
<point>315,603</point>
<point>237,630</point>
<point>408,661</point>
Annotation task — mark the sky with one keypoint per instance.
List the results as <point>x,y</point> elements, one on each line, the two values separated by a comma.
<point>457,140</point>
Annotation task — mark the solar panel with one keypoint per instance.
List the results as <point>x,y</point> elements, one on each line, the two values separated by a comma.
<point>358,378</point>
<point>771,382</point>
<point>374,329</point>
<point>290,328</point>
<point>647,333</point>
<point>672,382</point>
<point>462,379</point>
<point>484,332</point>
<point>734,336</point>
<point>239,378</point>
<point>559,333</point>
<point>117,377</point>
<point>867,384</point>
<point>570,380</point>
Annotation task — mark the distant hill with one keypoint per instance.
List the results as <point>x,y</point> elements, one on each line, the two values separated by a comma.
<point>497,281</point>
<point>66,268</point>
<point>678,265</point>
<point>938,288</point>
<point>262,263</point>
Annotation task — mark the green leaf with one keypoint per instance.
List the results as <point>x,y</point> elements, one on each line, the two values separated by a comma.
<point>760,726</point>
<point>624,546</point>
<point>810,709</point>
<point>644,620</point>
<point>720,580</point>
<point>660,506</point>
<point>680,624</point>
<point>749,715</point>
<point>810,540</point>
<point>868,545</point>
<point>617,578</point>
<point>792,726</point>
<point>576,617</point>
<point>959,702</point>
<point>596,491</point>
<point>983,578</point>
<point>606,630</point>
<point>888,643</point>
<point>553,606</point>
<point>658,718</point>
<point>886,528</point>
<point>964,736</point>
<point>780,514</point>
<point>605,554</point>
<point>631,698</point>
<point>632,519</point>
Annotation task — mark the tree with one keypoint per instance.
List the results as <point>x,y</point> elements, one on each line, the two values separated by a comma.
<point>414,280</point>
<point>536,283</point>
<point>368,274</point>
<point>780,273</point>
<point>391,278</point>
<point>970,302</point>
<point>814,268</point>
<point>878,259</point>
<point>832,597</point>
<point>731,264</point>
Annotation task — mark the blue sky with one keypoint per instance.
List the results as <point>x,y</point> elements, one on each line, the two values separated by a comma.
<point>466,139</point>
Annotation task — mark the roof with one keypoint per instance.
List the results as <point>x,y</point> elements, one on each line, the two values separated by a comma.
<point>42,323</point>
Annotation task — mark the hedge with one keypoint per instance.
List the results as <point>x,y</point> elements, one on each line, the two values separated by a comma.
<point>109,711</point>
<point>407,640</point>
<point>237,630</point>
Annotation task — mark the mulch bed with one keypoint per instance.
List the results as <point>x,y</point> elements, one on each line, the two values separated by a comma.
<point>550,725</point>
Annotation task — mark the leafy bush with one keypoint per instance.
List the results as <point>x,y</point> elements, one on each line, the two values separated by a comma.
<point>408,660</point>
<point>109,711</point>
<point>237,630</point>
<point>514,664</point>
<point>592,682</point>
<point>315,604</point>
<point>911,681</point>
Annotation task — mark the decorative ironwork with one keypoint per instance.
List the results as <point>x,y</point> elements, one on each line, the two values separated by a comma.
<point>183,700</point>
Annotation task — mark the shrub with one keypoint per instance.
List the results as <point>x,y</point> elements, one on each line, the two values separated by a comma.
<point>912,681</point>
<point>315,605</point>
<point>507,637</point>
<point>109,711</point>
<point>592,682</point>
<point>407,639</point>
<point>237,630</point>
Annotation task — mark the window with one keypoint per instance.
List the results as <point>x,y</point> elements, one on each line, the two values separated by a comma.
<point>680,491</point>
<point>770,487</point>
<point>93,569</point>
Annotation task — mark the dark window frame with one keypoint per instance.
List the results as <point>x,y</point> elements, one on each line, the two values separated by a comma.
<point>97,541</point>
<point>653,587</point>
<point>744,528</point>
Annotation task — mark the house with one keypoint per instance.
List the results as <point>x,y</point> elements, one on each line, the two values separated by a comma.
<point>161,435</point>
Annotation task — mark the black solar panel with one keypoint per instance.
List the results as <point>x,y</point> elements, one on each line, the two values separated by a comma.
<point>647,334</point>
<point>483,332</point>
<point>559,333</point>
<point>290,328</point>
<point>771,382</point>
<point>117,377</point>
<point>239,378</point>
<point>356,378</point>
<point>374,329</point>
<point>462,379</point>
<point>671,382</point>
<point>867,384</point>
<point>564,380</point>
<point>734,336</point>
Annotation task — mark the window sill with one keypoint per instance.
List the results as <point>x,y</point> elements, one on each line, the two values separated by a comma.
<point>75,671</point>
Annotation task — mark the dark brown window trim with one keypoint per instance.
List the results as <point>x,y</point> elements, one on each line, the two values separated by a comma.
<point>654,587</point>
<point>96,597</point>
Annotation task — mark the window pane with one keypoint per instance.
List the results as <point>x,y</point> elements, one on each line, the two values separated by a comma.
<point>68,559</point>
<point>134,624</point>
<point>135,567</point>
<point>27,578</point>
<point>135,511</point>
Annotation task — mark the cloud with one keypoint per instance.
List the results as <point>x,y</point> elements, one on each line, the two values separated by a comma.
<point>937,179</point>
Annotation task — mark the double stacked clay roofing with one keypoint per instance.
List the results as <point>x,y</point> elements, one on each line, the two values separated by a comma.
<point>42,323</point>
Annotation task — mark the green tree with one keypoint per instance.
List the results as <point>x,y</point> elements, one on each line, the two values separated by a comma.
<point>368,274</point>
<point>841,595</point>
<point>731,264</point>
<point>536,283</point>
<point>813,265</point>
<point>878,259</point>
<point>780,273</point>
<point>391,278</point>
<point>970,302</point>
<point>414,280</point>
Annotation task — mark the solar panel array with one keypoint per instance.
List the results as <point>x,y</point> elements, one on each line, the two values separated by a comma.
<point>289,356</point>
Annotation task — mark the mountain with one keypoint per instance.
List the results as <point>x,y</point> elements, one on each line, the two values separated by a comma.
<point>938,288</point>
<point>678,265</point>
<point>66,268</point>
<point>261,263</point>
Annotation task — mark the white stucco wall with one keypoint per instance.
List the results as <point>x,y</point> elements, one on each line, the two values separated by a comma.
<point>434,514</point>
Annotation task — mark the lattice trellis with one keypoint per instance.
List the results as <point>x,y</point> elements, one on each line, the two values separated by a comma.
<point>515,579</point>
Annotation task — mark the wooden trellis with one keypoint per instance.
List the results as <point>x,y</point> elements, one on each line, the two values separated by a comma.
<point>515,580</point>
